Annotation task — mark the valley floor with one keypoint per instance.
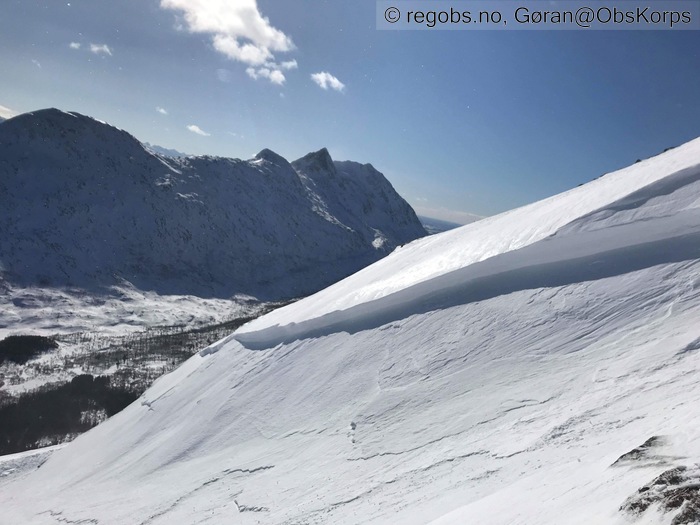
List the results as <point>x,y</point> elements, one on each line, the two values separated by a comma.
<point>98,370</point>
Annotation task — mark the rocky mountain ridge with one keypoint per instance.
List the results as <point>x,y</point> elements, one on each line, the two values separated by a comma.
<point>86,204</point>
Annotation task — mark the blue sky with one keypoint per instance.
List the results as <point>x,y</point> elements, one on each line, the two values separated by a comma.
<point>459,121</point>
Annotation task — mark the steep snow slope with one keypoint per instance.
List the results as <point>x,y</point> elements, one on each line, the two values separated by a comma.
<point>86,204</point>
<point>494,374</point>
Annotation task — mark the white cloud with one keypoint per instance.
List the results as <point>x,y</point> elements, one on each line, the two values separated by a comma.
<point>238,31</point>
<point>6,112</point>
<point>162,111</point>
<point>272,71</point>
<point>273,75</point>
<point>325,81</point>
<point>101,49</point>
<point>36,63</point>
<point>74,45</point>
<point>198,130</point>
<point>237,27</point>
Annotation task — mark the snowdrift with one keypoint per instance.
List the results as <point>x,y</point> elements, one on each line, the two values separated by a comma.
<point>538,367</point>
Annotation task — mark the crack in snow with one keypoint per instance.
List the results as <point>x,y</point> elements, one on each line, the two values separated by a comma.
<point>189,494</point>
<point>58,516</point>
<point>246,508</point>
<point>413,449</point>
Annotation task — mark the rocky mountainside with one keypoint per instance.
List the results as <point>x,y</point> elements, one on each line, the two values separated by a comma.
<point>86,204</point>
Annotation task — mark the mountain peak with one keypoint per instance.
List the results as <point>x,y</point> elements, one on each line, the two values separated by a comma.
<point>54,114</point>
<point>271,156</point>
<point>49,120</point>
<point>317,161</point>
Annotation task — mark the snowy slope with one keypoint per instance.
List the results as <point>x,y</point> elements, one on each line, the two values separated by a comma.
<point>86,204</point>
<point>494,374</point>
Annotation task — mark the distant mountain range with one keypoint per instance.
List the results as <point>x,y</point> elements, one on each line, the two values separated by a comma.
<point>166,152</point>
<point>433,226</point>
<point>86,204</point>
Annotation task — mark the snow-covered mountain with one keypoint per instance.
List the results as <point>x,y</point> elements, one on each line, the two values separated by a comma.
<point>536,367</point>
<point>86,204</point>
<point>433,226</point>
<point>165,152</point>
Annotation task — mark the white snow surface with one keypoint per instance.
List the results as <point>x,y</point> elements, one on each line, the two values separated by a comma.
<point>488,375</point>
<point>120,311</point>
<point>14,465</point>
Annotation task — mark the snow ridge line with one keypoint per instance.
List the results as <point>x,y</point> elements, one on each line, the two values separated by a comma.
<point>555,261</point>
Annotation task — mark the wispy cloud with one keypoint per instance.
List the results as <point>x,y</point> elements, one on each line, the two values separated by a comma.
<point>6,112</point>
<point>198,130</point>
<point>327,81</point>
<point>74,45</point>
<point>162,111</point>
<point>100,49</point>
<point>239,31</point>
<point>273,75</point>
<point>36,63</point>
<point>224,75</point>
<point>272,71</point>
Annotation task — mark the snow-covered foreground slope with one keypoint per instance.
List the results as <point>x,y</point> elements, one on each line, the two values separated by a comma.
<point>85,204</point>
<point>493,374</point>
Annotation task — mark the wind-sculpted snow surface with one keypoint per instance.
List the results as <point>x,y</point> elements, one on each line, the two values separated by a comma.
<point>536,368</point>
<point>85,204</point>
<point>482,255</point>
